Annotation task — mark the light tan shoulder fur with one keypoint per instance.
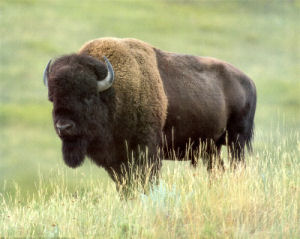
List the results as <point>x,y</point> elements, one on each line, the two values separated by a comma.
<point>138,85</point>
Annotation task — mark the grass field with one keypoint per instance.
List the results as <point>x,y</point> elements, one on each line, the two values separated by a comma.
<point>41,197</point>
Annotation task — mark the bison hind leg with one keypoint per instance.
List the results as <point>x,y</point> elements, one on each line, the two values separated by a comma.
<point>213,156</point>
<point>239,137</point>
<point>236,148</point>
<point>209,151</point>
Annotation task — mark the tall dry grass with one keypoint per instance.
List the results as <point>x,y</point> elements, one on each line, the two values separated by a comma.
<point>259,201</point>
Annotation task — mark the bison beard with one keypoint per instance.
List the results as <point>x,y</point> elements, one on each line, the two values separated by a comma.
<point>74,152</point>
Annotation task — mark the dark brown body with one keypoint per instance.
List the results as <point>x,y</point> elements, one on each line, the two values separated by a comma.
<point>158,100</point>
<point>207,100</point>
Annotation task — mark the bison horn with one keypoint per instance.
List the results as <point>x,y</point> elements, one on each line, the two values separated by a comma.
<point>109,79</point>
<point>46,72</point>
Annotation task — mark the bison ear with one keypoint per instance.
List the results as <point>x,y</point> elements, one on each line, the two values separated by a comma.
<point>46,72</point>
<point>109,79</point>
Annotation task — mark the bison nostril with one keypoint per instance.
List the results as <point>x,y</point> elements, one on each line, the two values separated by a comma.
<point>63,126</point>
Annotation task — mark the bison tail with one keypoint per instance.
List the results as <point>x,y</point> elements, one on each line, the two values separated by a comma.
<point>249,139</point>
<point>250,133</point>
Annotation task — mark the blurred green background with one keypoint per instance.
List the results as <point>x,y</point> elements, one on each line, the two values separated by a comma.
<point>259,37</point>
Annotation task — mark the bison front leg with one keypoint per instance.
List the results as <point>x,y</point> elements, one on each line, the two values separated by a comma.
<point>236,150</point>
<point>119,174</point>
<point>145,164</point>
<point>136,174</point>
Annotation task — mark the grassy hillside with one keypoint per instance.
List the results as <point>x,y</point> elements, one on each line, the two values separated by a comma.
<point>40,196</point>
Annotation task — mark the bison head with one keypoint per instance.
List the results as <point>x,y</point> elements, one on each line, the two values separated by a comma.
<point>78,88</point>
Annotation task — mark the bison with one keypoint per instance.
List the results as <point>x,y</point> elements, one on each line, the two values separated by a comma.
<point>117,99</point>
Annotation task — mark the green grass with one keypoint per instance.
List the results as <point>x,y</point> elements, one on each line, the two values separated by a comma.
<point>41,197</point>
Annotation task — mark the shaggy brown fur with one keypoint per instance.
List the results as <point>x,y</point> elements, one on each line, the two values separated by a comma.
<point>141,102</point>
<point>155,94</point>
